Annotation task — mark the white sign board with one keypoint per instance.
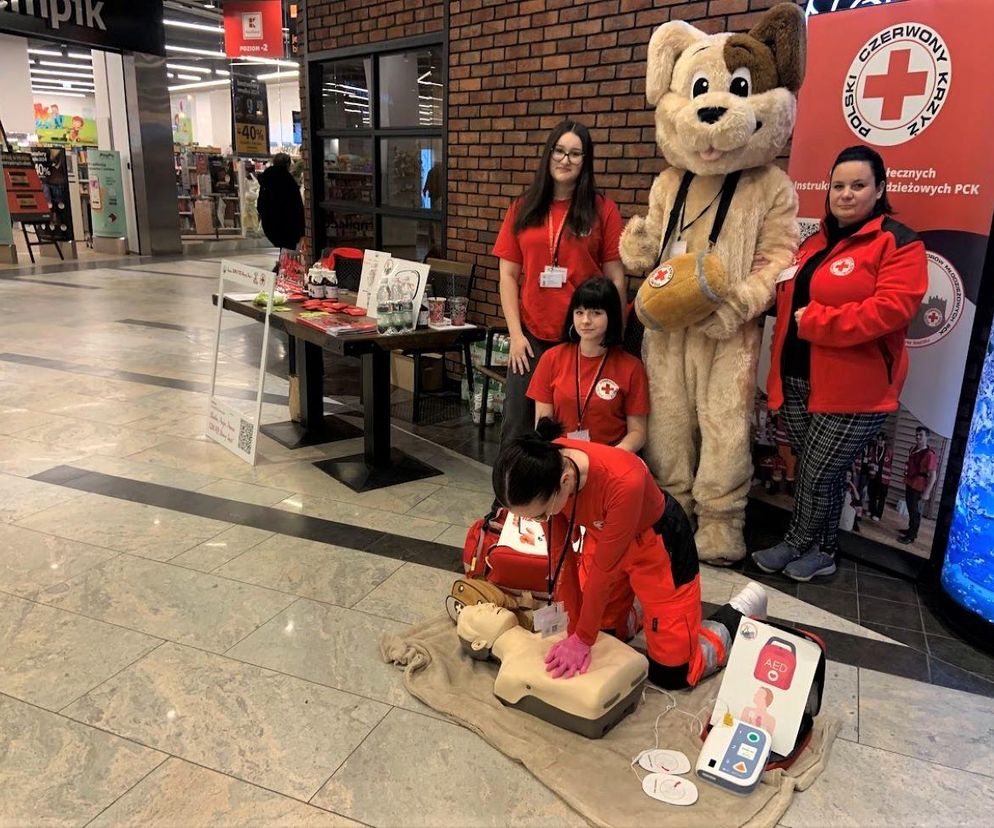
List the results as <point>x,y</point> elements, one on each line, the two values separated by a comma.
<point>411,277</point>
<point>225,425</point>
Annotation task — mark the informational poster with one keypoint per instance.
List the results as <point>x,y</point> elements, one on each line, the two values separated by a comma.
<point>107,195</point>
<point>226,424</point>
<point>6,230</point>
<point>51,166</point>
<point>71,129</point>
<point>253,28</point>
<point>898,77</point>
<point>182,121</point>
<point>409,278</point>
<point>26,200</point>
<point>250,113</point>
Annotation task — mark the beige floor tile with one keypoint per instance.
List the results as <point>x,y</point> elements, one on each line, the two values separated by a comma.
<point>32,561</point>
<point>52,657</point>
<point>936,724</point>
<point>56,772</point>
<point>211,554</point>
<point>453,536</point>
<point>841,698</point>
<point>103,438</point>
<point>21,498</point>
<point>311,569</point>
<point>455,506</point>
<point>27,457</point>
<point>412,594</point>
<point>394,760</point>
<point>169,602</point>
<point>245,492</point>
<point>136,528</point>
<point>356,515</point>
<point>272,730</point>
<point>144,472</point>
<point>180,794</point>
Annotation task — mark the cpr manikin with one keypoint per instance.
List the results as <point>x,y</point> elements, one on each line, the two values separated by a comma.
<point>589,704</point>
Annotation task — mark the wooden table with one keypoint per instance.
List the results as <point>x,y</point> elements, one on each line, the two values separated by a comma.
<point>379,464</point>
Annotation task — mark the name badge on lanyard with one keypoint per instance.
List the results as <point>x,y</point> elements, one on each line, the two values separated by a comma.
<point>554,276</point>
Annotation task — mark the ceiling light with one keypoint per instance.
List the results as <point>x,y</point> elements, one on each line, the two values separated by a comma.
<point>200,27</point>
<point>179,67</point>
<point>200,85</point>
<point>189,77</point>
<point>47,52</point>
<point>63,65</point>
<point>278,76</point>
<point>188,51</point>
<point>60,74</point>
<point>223,73</point>
<point>81,56</point>
<point>61,92</point>
<point>292,64</point>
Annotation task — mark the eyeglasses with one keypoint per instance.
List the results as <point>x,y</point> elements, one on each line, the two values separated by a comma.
<point>574,156</point>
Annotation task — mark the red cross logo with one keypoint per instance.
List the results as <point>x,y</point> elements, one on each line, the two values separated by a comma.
<point>607,389</point>
<point>933,318</point>
<point>896,86</point>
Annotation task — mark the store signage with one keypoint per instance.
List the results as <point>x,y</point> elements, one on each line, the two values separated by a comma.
<point>119,25</point>
<point>250,113</point>
<point>107,195</point>
<point>53,172</point>
<point>253,28</point>
<point>25,196</point>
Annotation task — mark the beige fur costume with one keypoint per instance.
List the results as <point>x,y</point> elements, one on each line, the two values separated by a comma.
<point>702,379</point>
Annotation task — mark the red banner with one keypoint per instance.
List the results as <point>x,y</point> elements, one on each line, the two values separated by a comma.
<point>903,78</point>
<point>253,28</point>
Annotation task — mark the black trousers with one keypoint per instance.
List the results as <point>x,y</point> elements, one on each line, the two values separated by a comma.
<point>519,411</point>
<point>913,498</point>
<point>878,497</point>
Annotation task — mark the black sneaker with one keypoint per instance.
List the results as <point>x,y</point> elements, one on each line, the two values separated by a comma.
<point>905,539</point>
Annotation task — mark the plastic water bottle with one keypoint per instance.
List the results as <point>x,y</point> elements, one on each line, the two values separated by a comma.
<point>393,289</point>
<point>384,309</point>
<point>406,306</point>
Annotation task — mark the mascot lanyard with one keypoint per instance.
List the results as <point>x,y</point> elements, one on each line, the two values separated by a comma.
<point>680,205</point>
<point>569,532</point>
<point>582,409</point>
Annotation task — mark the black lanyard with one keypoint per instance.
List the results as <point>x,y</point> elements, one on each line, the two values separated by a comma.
<point>580,411</point>
<point>569,533</point>
<point>554,248</point>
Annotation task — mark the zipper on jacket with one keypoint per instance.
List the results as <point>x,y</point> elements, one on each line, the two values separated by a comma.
<point>888,361</point>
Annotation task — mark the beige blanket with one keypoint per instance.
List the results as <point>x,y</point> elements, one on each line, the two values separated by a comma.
<point>594,776</point>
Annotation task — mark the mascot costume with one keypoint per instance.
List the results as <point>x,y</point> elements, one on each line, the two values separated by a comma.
<point>721,227</point>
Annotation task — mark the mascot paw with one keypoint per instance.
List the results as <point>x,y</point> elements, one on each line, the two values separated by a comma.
<point>639,244</point>
<point>719,544</point>
<point>722,324</point>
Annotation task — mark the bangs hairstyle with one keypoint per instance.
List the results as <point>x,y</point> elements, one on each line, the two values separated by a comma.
<point>598,293</point>
<point>882,207</point>
<point>537,200</point>
<point>529,467</point>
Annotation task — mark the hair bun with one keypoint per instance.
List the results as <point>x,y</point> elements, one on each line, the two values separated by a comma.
<point>549,429</point>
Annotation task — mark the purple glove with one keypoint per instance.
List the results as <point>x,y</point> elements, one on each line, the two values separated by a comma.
<point>568,658</point>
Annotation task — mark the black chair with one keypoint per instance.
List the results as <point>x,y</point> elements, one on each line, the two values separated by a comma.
<point>446,278</point>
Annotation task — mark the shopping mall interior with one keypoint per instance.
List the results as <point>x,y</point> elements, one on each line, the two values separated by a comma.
<point>244,622</point>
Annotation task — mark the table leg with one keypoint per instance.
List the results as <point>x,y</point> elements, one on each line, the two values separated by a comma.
<point>314,427</point>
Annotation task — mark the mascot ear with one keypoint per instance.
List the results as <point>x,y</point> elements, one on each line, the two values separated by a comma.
<point>782,29</point>
<point>667,44</point>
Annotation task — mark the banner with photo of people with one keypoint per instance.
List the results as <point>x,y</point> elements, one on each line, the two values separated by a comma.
<point>899,77</point>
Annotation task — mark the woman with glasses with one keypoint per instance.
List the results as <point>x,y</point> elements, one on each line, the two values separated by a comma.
<point>560,233</point>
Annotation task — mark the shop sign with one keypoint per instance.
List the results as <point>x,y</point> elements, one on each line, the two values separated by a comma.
<point>107,195</point>
<point>250,112</point>
<point>50,164</point>
<point>253,28</point>
<point>25,196</point>
<point>119,25</point>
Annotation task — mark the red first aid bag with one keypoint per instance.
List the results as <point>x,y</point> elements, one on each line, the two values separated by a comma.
<point>513,571</point>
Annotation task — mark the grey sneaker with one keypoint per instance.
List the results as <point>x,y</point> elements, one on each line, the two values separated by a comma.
<point>776,557</point>
<point>811,565</point>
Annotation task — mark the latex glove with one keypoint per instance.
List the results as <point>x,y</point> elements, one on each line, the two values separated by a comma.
<point>568,658</point>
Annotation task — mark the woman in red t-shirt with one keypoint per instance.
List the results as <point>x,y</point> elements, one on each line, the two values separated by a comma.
<point>555,237</point>
<point>596,389</point>
<point>642,537</point>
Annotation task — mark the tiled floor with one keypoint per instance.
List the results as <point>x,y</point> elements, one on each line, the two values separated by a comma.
<point>188,640</point>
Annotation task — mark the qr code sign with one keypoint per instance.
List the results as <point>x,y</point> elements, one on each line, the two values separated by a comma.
<point>245,435</point>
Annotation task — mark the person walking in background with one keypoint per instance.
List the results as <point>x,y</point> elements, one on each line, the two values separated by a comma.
<point>560,233</point>
<point>280,206</point>
<point>877,460</point>
<point>920,475</point>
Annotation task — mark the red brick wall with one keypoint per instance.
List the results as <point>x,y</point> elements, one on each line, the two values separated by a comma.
<point>515,70</point>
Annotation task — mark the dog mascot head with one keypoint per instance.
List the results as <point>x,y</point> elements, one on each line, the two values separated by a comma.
<point>726,102</point>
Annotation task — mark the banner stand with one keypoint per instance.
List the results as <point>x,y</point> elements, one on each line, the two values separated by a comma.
<point>225,424</point>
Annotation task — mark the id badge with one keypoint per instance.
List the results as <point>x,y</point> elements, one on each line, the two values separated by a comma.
<point>582,434</point>
<point>786,275</point>
<point>551,619</point>
<point>552,277</point>
<point>678,248</point>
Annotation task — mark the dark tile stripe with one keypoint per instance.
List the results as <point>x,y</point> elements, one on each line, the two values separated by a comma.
<point>48,283</point>
<point>146,272</point>
<point>134,376</point>
<point>266,518</point>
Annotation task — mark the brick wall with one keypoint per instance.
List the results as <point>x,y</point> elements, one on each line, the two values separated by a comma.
<point>515,70</point>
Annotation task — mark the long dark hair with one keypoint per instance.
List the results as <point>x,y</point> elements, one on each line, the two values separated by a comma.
<point>530,466</point>
<point>882,207</point>
<point>535,203</point>
<point>597,293</point>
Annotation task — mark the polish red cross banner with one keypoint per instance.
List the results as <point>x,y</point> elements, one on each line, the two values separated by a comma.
<point>908,80</point>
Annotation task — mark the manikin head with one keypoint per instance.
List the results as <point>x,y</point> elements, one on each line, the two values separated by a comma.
<point>480,625</point>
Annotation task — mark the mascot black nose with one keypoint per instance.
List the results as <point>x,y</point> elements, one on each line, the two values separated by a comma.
<point>711,114</point>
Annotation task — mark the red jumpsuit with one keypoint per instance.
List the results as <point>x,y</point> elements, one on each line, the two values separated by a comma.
<point>641,538</point>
